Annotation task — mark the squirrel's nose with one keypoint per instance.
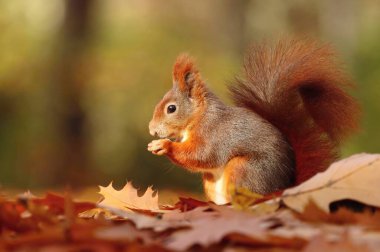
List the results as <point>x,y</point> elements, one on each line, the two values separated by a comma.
<point>152,131</point>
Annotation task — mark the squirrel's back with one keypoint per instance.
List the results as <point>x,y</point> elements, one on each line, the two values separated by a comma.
<point>298,87</point>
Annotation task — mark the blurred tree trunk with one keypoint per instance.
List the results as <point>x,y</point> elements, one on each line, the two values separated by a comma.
<point>345,21</point>
<point>235,23</point>
<point>303,18</point>
<point>71,158</point>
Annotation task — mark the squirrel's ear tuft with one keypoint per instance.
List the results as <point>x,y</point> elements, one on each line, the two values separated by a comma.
<point>185,73</point>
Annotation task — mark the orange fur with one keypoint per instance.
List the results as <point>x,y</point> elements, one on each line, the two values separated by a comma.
<point>234,170</point>
<point>184,66</point>
<point>298,87</point>
<point>183,153</point>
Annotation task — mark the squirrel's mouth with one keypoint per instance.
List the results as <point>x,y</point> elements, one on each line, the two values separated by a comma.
<point>175,137</point>
<point>181,138</point>
<point>172,138</point>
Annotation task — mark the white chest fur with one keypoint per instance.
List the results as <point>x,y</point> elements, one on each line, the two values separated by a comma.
<point>185,136</point>
<point>216,188</point>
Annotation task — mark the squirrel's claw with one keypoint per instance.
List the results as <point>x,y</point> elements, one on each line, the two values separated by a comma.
<point>158,147</point>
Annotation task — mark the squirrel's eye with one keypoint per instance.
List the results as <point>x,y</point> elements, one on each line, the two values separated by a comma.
<point>171,109</point>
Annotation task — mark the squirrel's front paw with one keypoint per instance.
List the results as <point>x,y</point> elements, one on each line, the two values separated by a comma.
<point>159,147</point>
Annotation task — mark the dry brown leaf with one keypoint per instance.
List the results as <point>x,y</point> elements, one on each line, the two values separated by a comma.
<point>169,220</point>
<point>309,231</point>
<point>127,199</point>
<point>353,238</point>
<point>123,232</point>
<point>320,243</point>
<point>356,178</point>
<point>55,202</point>
<point>186,204</point>
<point>343,216</point>
<point>97,213</point>
<point>227,222</point>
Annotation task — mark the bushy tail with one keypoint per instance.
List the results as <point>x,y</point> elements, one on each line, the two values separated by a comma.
<point>298,86</point>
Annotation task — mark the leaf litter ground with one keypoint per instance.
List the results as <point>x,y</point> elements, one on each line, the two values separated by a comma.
<point>299,219</point>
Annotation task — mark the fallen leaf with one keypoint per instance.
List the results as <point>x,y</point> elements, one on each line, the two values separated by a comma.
<point>169,220</point>
<point>343,216</point>
<point>56,203</point>
<point>123,232</point>
<point>186,204</point>
<point>227,222</point>
<point>356,178</point>
<point>266,207</point>
<point>98,213</point>
<point>344,243</point>
<point>242,198</point>
<point>127,199</point>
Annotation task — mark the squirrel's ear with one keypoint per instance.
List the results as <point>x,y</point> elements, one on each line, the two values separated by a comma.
<point>185,73</point>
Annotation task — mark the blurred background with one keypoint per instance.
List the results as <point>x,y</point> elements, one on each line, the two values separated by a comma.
<point>79,78</point>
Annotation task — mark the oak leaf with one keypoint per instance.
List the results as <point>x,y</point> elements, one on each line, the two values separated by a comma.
<point>223,223</point>
<point>356,178</point>
<point>123,232</point>
<point>56,203</point>
<point>97,213</point>
<point>127,198</point>
<point>169,220</point>
<point>343,243</point>
<point>343,216</point>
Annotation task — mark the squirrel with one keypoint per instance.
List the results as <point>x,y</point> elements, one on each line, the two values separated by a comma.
<point>291,113</point>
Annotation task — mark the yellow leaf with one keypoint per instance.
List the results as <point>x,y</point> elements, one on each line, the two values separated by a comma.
<point>242,198</point>
<point>127,198</point>
<point>97,213</point>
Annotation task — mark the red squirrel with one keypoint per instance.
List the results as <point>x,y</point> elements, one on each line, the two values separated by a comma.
<point>291,113</point>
